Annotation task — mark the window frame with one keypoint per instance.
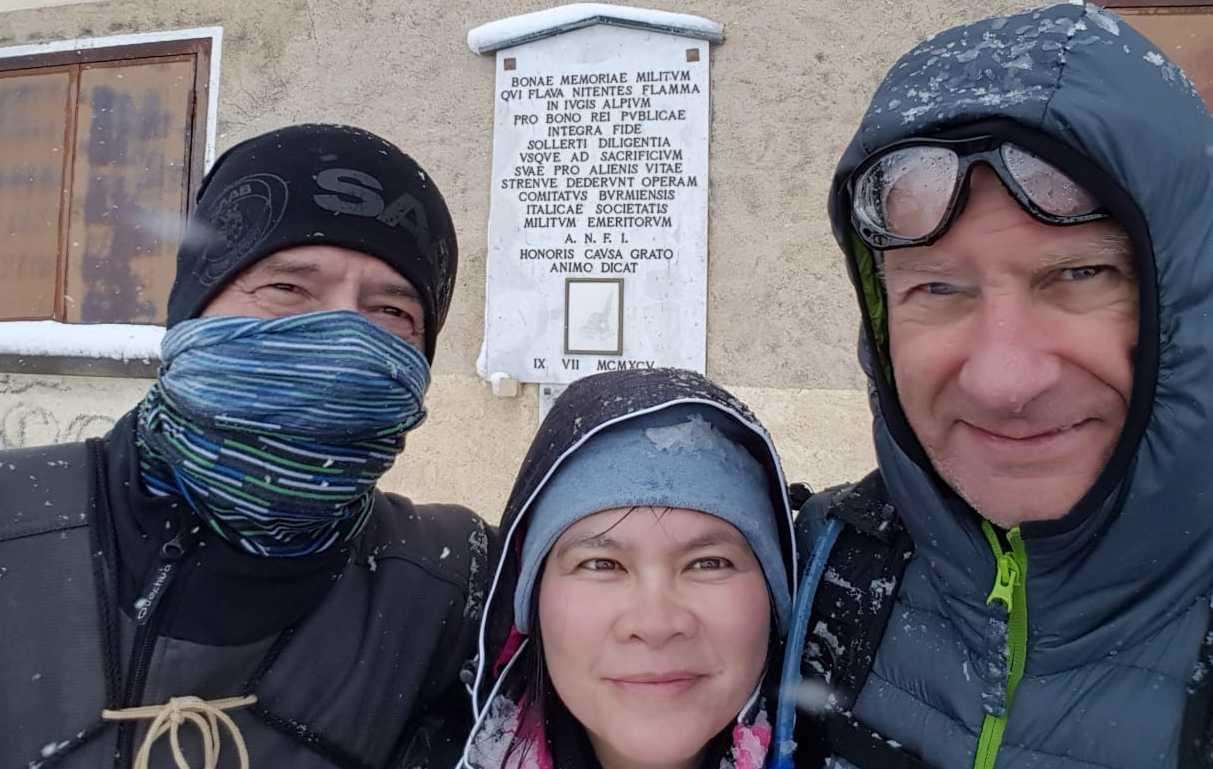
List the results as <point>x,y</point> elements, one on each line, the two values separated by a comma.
<point>1156,4</point>
<point>118,360</point>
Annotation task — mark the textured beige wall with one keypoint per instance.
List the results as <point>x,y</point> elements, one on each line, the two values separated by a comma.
<point>471,446</point>
<point>788,87</point>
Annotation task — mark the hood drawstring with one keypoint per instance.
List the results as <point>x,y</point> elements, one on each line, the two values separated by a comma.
<point>205,715</point>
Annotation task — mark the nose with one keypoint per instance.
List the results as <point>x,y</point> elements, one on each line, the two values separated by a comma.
<point>656,614</point>
<point>341,295</point>
<point>1010,361</point>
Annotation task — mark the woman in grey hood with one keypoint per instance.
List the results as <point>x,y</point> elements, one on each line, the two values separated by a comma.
<point>645,580</point>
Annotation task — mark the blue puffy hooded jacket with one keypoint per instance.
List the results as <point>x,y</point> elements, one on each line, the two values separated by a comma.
<point>1117,592</point>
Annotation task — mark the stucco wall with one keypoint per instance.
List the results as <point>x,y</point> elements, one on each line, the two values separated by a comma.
<point>788,87</point>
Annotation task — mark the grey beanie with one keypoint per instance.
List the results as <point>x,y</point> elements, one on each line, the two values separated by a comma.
<point>680,457</point>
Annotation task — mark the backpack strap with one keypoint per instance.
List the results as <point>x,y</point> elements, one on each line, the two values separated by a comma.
<point>863,748</point>
<point>850,612</point>
<point>1196,734</point>
<point>858,590</point>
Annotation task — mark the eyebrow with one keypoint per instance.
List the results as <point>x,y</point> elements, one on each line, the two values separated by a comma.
<point>280,265</point>
<point>1107,247</point>
<point>590,541</point>
<point>284,267</point>
<point>403,290</point>
<point>714,539</point>
<point>1052,260</point>
<point>920,263</point>
<point>702,542</point>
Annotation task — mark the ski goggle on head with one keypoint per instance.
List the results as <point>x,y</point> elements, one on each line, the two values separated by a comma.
<point>908,193</point>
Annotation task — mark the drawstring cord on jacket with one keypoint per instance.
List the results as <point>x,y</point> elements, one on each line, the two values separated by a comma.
<point>205,715</point>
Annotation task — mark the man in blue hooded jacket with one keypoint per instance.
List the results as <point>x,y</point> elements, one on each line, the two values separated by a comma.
<point>1023,211</point>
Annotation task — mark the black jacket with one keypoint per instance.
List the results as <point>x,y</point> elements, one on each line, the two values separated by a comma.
<point>111,598</point>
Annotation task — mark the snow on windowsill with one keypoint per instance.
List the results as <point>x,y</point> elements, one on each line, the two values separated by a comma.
<point>48,338</point>
<point>516,30</point>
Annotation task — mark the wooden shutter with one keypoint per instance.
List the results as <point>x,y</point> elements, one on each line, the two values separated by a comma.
<point>131,179</point>
<point>36,115</point>
<point>99,153</point>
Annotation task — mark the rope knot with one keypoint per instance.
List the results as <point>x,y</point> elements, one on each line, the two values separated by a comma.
<point>205,715</point>
<point>174,710</point>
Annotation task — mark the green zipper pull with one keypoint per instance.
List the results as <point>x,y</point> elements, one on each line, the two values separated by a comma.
<point>1017,609</point>
<point>1006,579</point>
<point>1010,589</point>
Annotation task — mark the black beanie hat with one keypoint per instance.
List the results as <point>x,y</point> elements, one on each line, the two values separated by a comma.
<point>317,185</point>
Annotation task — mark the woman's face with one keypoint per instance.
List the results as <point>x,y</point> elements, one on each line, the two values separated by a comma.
<point>655,627</point>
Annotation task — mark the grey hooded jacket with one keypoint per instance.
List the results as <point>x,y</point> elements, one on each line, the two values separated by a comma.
<point>1117,591</point>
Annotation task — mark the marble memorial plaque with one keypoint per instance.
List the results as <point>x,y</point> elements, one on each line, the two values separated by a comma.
<point>597,245</point>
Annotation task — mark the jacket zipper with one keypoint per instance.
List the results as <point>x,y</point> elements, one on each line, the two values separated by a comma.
<point>147,628</point>
<point>1010,589</point>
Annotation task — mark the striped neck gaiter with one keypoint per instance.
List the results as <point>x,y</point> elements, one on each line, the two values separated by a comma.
<point>276,431</point>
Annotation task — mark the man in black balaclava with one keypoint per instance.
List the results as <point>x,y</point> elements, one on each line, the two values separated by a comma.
<point>217,581</point>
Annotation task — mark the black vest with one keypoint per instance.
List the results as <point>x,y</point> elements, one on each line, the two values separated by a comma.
<point>364,675</point>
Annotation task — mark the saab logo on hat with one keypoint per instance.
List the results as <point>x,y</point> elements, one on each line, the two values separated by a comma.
<point>357,193</point>
<point>237,222</point>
